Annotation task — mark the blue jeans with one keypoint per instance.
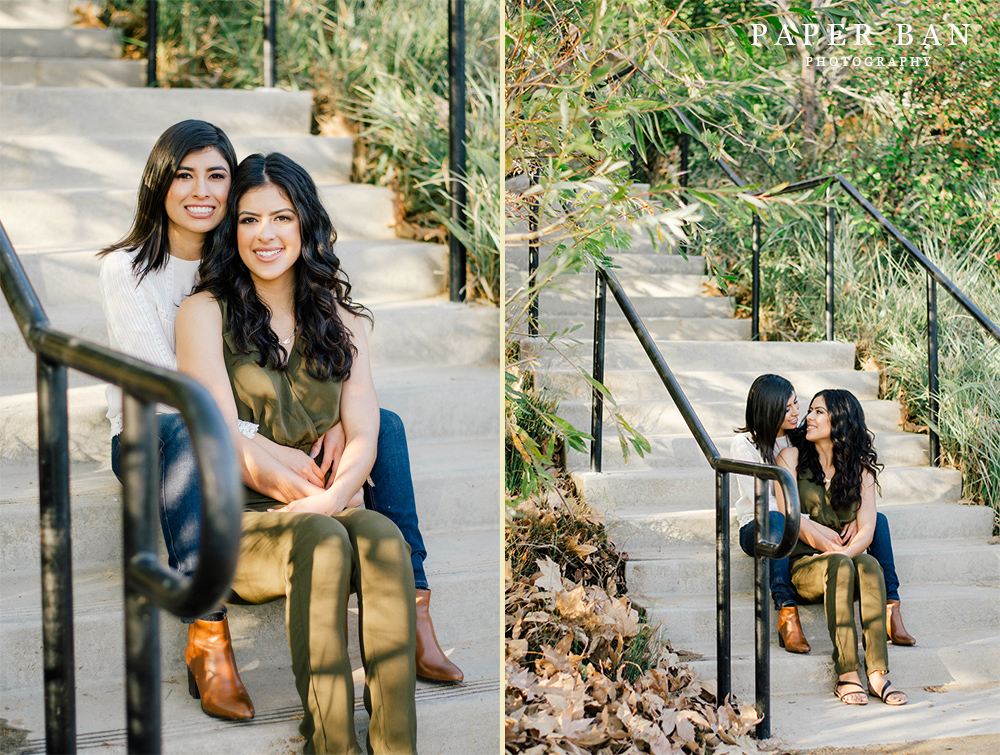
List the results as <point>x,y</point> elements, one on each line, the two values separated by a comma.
<point>881,550</point>
<point>391,493</point>
<point>782,592</point>
<point>180,497</point>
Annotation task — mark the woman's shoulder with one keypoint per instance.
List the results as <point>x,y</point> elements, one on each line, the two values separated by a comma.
<point>117,263</point>
<point>201,304</point>
<point>742,447</point>
<point>789,457</point>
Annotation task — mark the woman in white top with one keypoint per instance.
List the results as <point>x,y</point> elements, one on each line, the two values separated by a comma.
<point>772,411</point>
<point>144,278</point>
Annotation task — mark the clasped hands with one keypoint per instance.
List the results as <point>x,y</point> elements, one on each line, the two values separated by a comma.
<point>827,540</point>
<point>319,477</point>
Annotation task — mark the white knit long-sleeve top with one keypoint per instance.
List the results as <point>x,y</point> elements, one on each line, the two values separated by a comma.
<point>742,448</point>
<point>141,316</point>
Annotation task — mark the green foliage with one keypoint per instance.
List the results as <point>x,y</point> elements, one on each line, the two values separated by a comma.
<point>379,70</point>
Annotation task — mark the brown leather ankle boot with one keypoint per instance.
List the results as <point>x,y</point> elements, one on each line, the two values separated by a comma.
<point>212,673</point>
<point>894,625</point>
<point>431,661</point>
<point>790,635</point>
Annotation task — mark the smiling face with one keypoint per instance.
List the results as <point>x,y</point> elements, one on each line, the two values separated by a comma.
<point>817,420</point>
<point>196,199</point>
<point>267,233</point>
<point>791,420</point>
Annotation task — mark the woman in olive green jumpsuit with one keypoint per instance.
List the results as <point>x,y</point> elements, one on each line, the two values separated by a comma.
<point>837,468</point>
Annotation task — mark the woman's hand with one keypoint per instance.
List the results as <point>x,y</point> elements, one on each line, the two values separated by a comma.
<point>331,444</point>
<point>850,530</point>
<point>820,537</point>
<point>299,462</point>
<point>323,503</point>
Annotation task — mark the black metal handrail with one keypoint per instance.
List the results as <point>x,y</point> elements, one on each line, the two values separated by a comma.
<point>723,466</point>
<point>934,276</point>
<point>457,191</point>
<point>148,584</point>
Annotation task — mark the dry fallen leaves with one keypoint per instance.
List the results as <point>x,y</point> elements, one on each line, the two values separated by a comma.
<point>584,673</point>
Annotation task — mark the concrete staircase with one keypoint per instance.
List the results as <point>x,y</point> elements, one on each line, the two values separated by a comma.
<point>70,162</point>
<point>661,508</point>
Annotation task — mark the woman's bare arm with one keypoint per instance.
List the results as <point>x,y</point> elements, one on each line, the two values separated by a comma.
<point>811,533</point>
<point>199,354</point>
<point>359,415</point>
<point>866,518</point>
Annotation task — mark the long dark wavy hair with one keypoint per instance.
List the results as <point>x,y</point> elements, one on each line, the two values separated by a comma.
<point>853,449</point>
<point>320,284</point>
<point>148,235</point>
<point>767,403</point>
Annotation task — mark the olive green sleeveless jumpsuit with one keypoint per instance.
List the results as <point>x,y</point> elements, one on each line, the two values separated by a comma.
<point>316,561</point>
<point>838,581</point>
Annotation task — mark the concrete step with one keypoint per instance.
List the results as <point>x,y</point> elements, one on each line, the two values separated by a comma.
<point>662,415</point>
<point>101,161</point>
<point>478,702</point>
<point>68,282</point>
<point>809,720</point>
<point>658,285</point>
<point>136,112</point>
<point>434,403</point>
<point>516,263</point>
<point>446,333</point>
<point>690,622</point>
<point>713,385</point>
<point>72,218</point>
<point>686,489</point>
<point>563,303</point>
<point>654,531</point>
<point>682,450</point>
<point>72,72</point>
<point>462,569</point>
<point>36,14</point>
<point>61,43</point>
<point>660,328</point>
<point>951,563</point>
<point>698,356</point>
<point>964,657</point>
<point>456,482</point>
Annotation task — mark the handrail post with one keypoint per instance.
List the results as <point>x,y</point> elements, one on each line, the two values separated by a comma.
<point>932,371</point>
<point>762,613</point>
<point>830,232</point>
<point>270,62</point>
<point>152,13</point>
<point>141,479</point>
<point>57,560</point>
<point>755,288</point>
<point>597,407</point>
<point>723,631</point>
<point>456,150</point>
<point>534,205</point>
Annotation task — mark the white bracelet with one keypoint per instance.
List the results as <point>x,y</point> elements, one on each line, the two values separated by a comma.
<point>248,429</point>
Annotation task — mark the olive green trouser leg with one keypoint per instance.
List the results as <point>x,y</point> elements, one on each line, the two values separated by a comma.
<point>387,615</point>
<point>838,580</point>
<point>309,559</point>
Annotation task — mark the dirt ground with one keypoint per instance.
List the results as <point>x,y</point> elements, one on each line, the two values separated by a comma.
<point>988,744</point>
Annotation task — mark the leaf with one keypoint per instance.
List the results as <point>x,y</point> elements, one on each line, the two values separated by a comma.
<point>549,577</point>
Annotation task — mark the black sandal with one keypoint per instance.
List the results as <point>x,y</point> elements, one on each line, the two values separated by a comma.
<point>887,693</point>
<point>841,695</point>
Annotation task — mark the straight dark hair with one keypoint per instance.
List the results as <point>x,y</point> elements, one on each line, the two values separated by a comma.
<point>149,228</point>
<point>767,403</point>
<point>320,283</point>
<point>853,449</point>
